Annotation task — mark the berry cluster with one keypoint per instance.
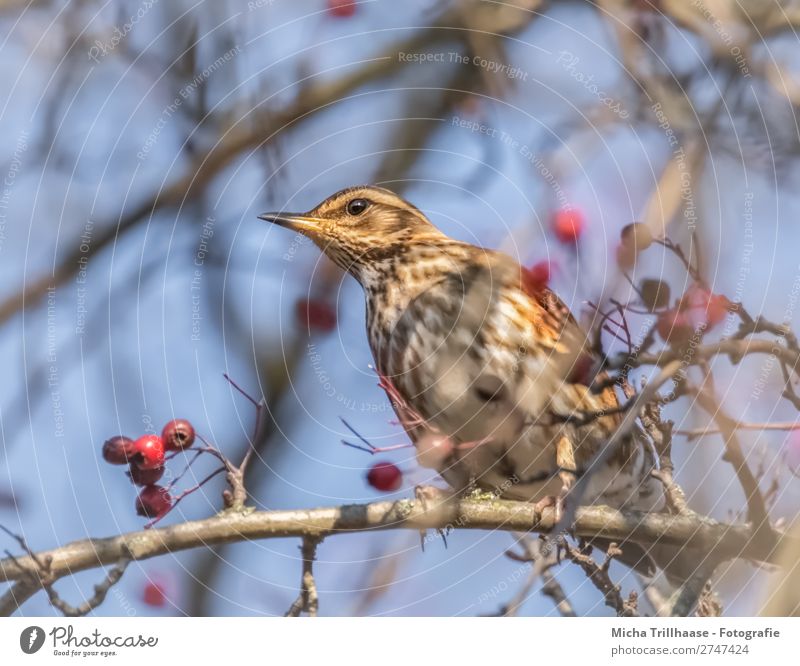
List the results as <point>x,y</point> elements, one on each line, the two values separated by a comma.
<point>146,458</point>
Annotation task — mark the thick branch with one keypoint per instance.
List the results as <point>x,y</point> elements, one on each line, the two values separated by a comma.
<point>724,540</point>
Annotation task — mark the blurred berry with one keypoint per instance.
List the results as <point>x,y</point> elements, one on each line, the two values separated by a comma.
<point>568,225</point>
<point>385,476</point>
<point>153,502</point>
<point>703,308</point>
<point>432,450</point>
<point>154,594</point>
<point>536,278</point>
<point>317,315</point>
<point>117,450</point>
<point>341,8</point>
<point>178,434</point>
<point>673,326</point>
<point>148,452</point>
<point>145,477</point>
<point>655,294</point>
<point>637,236</point>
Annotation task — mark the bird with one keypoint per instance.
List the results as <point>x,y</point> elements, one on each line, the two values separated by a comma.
<point>488,370</point>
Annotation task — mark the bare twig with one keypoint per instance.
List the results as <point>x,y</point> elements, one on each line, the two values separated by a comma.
<point>693,433</point>
<point>660,432</point>
<point>42,577</point>
<point>756,506</point>
<point>708,605</point>
<point>632,408</point>
<point>550,585</point>
<point>308,599</point>
<point>99,596</point>
<point>689,594</point>
<point>599,577</point>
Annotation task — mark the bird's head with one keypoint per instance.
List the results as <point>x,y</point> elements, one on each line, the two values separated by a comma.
<point>361,227</point>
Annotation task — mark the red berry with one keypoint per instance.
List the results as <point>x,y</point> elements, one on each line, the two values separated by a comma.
<point>568,225</point>
<point>145,477</point>
<point>674,326</point>
<point>385,476</point>
<point>341,8</point>
<point>317,315</point>
<point>704,308</point>
<point>153,502</point>
<point>154,594</point>
<point>177,435</point>
<point>536,278</point>
<point>117,450</point>
<point>149,452</point>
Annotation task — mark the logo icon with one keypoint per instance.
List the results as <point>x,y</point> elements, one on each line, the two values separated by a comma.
<point>31,639</point>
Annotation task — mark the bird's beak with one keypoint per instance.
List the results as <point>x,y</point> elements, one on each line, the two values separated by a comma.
<point>294,221</point>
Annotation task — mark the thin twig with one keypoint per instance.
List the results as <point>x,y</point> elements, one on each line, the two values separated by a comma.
<point>694,433</point>
<point>756,507</point>
<point>598,575</point>
<point>308,599</point>
<point>42,577</point>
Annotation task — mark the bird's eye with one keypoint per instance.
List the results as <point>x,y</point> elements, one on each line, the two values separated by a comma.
<point>357,206</point>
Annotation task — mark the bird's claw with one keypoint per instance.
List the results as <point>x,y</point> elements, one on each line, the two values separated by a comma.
<point>425,494</point>
<point>555,502</point>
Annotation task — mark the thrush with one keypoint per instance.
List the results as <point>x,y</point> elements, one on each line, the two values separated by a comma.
<point>486,369</point>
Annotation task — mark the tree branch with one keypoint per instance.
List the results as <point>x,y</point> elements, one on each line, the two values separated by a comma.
<point>721,540</point>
